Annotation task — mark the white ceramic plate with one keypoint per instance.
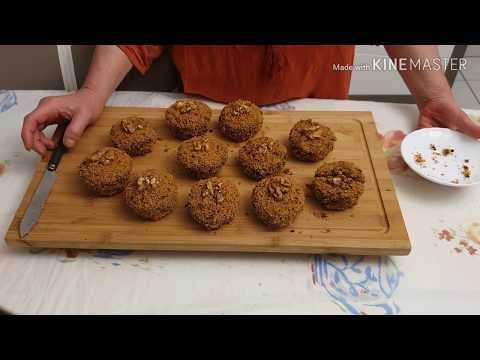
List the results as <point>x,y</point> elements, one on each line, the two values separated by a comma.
<point>431,163</point>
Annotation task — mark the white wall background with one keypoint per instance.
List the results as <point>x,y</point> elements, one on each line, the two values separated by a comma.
<point>381,82</point>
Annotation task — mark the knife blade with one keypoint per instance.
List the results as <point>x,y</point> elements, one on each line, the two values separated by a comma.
<point>34,209</point>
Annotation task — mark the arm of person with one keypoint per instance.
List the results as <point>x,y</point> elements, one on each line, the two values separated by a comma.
<point>430,88</point>
<point>108,67</point>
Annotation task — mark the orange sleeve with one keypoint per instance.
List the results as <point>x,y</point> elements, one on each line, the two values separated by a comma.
<point>142,56</point>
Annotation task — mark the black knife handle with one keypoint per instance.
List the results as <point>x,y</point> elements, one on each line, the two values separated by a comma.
<point>58,151</point>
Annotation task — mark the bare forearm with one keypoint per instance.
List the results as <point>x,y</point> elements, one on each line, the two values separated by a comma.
<point>108,68</point>
<point>424,84</point>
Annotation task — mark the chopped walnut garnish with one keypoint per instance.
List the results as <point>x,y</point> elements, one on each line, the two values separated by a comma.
<point>278,192</point>
<point>149,180</point>
<point>336,180</point>
<point>130,125</point>
<point>312,128</point>
<point>279,188</point>
<point>264,147</point>
<point>215,191</point>
<point>312,132</point>
<point>285,182</point>
<point>275,191</point>
<point>210,187</point>
<point>97,155</point>
<point>104,156</point>
<point>201,145</point>
<point>313,136</point>
<point>109,154</point>
<point>219,197</point>
<point>185,106</point>
<point>108,157</point>
<point>241,108</point>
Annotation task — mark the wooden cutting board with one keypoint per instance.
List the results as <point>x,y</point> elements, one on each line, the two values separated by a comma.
<point>74,218</point>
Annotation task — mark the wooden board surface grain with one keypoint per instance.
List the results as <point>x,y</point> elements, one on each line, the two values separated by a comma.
<point>74,218</point>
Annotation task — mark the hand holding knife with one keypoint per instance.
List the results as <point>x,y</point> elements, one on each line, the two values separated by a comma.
<point>40,196</point>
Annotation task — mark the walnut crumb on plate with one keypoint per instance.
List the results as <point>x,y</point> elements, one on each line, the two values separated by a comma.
<point>440,155</point>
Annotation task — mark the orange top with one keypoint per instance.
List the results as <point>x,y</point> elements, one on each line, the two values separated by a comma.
<point>262,74</point>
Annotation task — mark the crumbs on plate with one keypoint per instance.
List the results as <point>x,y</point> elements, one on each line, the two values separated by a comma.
<point>465,169</point>
<point>466,172</point>
<point>419,159</point>
<point>435,153</point>
<point>447,151</point>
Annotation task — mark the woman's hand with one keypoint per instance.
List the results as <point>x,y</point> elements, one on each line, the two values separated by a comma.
<point>109,66</point>
<point>81,109</point>
<point>444,112</point>
<point>431,90</point>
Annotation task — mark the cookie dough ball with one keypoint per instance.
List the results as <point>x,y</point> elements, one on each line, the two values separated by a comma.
<point>310,141</point>
<point>134,135</point>
<point>151,195</point>
<point>202,157</point>
<point>338,185</point>
<point>188,118</point>
<point>213,202</point>
<point>277,200</point>
<point>262,157</point>
<point>240,120</point>
<point>106,171</point>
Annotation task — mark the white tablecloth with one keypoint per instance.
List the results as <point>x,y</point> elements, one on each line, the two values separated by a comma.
<point>439,276</point>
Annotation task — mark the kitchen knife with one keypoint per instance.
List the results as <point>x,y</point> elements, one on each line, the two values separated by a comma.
<point>40,196</point>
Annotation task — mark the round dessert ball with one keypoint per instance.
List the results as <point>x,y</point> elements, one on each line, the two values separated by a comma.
<point>134,135</point>
<point>310,141</point>
<point>240,120</point>
<point>151,195</point>
<point>277,200</point>
<point>338,185</point>
<point>106,171</point>
<point>262,157</point>
<point>213,202</point>
<point>202,157</point>
<point>188,118</point>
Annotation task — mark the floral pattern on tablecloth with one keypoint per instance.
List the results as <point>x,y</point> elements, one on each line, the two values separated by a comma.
<point>459,239</point>
<point>103,258</point>
<point>8,99</point>
<point>359,285</point>
<point>391,146</point>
